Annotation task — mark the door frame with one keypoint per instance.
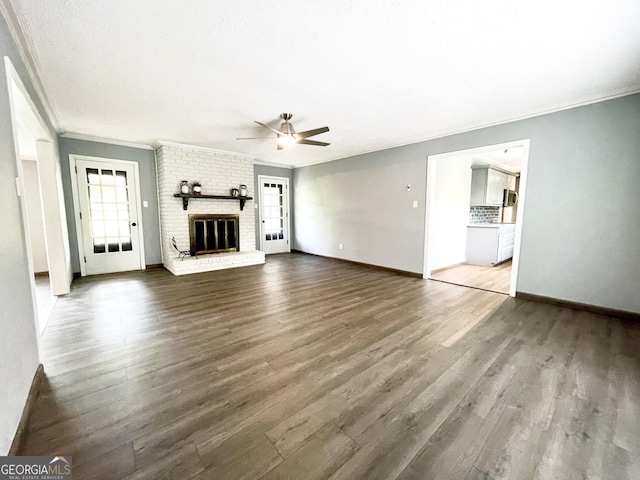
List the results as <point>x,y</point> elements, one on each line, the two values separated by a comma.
<point>430,203</point>
<point>23,112</point>
<point>285,180</point>
<point>73,158</point>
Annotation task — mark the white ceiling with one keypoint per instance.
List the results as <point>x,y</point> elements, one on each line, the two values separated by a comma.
<point>508,159</point>
<point>379,73</point>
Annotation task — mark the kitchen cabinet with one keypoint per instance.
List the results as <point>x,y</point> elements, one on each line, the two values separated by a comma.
<point>488,185</point>
<point>489,243</point>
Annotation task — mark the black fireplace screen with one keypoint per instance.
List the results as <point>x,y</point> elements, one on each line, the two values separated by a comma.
<point>213,233</point>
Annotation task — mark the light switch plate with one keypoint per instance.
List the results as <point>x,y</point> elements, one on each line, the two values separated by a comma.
<point>145,204</point>
<point>415,204</point>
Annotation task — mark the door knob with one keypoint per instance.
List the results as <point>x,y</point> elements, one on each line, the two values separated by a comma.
<point>133,224</point>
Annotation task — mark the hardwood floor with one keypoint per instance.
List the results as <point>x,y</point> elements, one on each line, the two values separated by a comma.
<point>312,368</point>
<point>45,300</point>
<point>495,279</point>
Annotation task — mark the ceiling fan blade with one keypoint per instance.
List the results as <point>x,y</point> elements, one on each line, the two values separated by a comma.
<point>312,142</point>
<point>277,132</point>
<point>310,133</point>
<point>251,138</point>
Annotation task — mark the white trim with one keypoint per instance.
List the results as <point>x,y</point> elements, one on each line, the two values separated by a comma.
<point>76,205</point>
<point>430,192</point>
<point>155,162</point>
<point>25,113</point>
<point>110,141</point>
<point>285,181</point>
<point>76,209</point>
<point>274,164</point>
<point>23,213</point>
<point>25,47</point>
<point>163,143</point>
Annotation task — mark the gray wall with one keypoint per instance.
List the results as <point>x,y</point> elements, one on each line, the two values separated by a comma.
<point>581,223</point>
<point>148,191</point>
<point>362,202</point>
<point>19,357</point>
<point>274,172</point>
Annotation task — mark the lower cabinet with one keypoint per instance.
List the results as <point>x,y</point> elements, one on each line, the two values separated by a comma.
<point>489,244</point>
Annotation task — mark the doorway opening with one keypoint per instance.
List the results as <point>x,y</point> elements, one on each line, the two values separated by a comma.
<point>475,203</point>
<point>39,185</point>
<point>34,213</point>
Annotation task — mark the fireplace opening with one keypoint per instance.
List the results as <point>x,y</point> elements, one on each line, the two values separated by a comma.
<point>214,233</point>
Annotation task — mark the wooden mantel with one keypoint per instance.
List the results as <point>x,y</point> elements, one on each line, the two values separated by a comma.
<point>186,196</point>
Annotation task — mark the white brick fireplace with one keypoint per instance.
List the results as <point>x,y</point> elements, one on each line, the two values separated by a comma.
<point>218,172</point>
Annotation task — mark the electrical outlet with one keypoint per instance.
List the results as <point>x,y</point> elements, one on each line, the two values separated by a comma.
<point>340,246</point>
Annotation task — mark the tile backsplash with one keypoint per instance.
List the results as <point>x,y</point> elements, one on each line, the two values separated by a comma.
<point>484,214</point>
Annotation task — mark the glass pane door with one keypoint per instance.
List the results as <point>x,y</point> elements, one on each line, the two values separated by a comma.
<point>274,213</point>
<point>108,214</point>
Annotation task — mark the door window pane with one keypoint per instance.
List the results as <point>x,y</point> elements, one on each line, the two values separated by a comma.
<point>95,194</point>
<point>107,177</point>
<point>126,244</point>
<point>98,245</point>
<point>121,195</point>
<point>97,228</point>
<point>113,243</point>
<point>121,178</point>
<point>124,228</point>
<point>108,194</point>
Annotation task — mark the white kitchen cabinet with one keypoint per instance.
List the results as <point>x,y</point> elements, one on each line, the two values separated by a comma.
<point>489,243</point>
<point>488,185</point>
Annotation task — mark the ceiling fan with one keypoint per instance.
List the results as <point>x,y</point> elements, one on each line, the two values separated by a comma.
<point>286,135</point>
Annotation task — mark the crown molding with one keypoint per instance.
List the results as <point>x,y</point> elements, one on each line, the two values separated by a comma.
<point>110,141</point>
<point>162,143</point>
<point>273,164</point>
<point>25,47</point>
<point>471,128</point>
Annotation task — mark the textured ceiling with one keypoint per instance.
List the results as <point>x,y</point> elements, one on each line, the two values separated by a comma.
<point>379,73</point>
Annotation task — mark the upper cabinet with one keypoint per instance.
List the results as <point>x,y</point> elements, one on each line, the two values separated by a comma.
<point>488,185</point>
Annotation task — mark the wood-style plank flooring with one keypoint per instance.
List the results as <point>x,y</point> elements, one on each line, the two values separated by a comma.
<point>44,298</point>
<point>495,279</point>
<point>312,368</point>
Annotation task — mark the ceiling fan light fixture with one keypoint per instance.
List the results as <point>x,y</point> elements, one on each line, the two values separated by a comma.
<point>286,140</point>
<point>287,136</point>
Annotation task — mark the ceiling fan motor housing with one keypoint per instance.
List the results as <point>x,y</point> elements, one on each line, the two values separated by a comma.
<point>286,127</point>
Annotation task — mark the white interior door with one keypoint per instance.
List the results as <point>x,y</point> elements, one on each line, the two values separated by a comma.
<point>109,231</point>
<point>274,214</point>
